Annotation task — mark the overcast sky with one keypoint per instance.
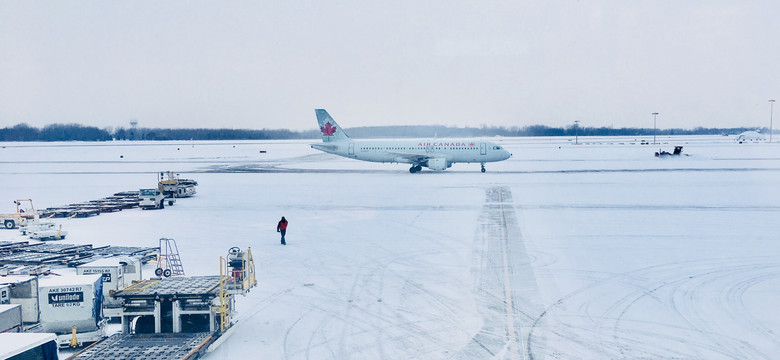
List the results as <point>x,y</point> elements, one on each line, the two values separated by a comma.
<point>267,64</point>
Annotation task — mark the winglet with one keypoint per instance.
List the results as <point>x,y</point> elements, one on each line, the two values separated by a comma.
<point>330,130</point>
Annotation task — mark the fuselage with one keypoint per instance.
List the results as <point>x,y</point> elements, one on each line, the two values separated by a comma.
<point>417,151</point>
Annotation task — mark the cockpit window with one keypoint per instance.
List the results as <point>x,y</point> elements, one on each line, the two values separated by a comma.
<point>496,148</point>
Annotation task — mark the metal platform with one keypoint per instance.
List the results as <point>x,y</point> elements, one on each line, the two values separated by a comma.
<point>29,258</point>
<point>171,305</point>
<point>145,253</point>
<point>174,287</point>
<point>57,248</point>
<point>125,250</point>
<point>117,202</point>
<point>45,253</point>
<point>12,246</point>
<point>34,270</point>
<point>23,253</point>
<point>147,346</point>
<point>125,194</point>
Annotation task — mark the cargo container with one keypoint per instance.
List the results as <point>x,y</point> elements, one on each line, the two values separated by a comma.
<point>24,291</point>
<point>41,346</point>
<point>70,300</point>
<point>117,272</point>
<point>132,268</point>
<point>5,294</point>
<point>10,318</point>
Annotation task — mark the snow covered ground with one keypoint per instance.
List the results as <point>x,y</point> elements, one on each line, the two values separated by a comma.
<point>589,251</point>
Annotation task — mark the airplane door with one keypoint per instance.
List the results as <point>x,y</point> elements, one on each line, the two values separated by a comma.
<point>352,149</point>
<point>482,149</point>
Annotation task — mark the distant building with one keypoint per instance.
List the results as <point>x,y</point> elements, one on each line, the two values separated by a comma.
<point>750,136</point>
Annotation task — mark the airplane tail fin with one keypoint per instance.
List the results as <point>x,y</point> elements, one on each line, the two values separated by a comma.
<point>330,130</point>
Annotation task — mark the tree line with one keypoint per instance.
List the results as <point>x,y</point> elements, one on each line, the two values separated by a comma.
<point>76,132</point>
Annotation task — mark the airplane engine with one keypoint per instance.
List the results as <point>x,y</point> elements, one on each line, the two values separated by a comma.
<point>438,164</point>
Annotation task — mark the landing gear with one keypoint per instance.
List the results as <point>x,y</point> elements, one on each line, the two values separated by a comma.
<point>483,167</point>
<point>415,169</point>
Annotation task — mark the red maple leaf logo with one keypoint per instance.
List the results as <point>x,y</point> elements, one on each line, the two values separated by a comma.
<point>328,129</point>
<point>471,144</point>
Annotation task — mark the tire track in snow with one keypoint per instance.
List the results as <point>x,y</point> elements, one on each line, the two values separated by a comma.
<point>690,300</point>
<point>505,284</point>
<point>372,309</point>
<point>362,323</point>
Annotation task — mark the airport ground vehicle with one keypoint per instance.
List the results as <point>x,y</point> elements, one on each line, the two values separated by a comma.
<point>44,230</point>
<point>179,317</point>
<point>174,187</point>
<point>153,199</point>
<point>24,212</point>
<point>677,152</point>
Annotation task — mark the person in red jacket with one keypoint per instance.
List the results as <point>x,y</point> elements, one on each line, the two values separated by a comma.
<point>282,228</point>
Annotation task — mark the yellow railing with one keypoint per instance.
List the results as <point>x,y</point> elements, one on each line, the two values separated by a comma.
<point>224,314</point>
<point>229,283</point>
<point>249,277</point>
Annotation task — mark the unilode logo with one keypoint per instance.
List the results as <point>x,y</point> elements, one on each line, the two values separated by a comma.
<point>67,297</point>
<point>328,129</point>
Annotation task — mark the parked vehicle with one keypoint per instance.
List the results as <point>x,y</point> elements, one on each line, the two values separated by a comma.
<point>43,230</point>
<point>153,199</point>
<point>50,233</point>
<point>677,152</point>
<point>173,186</point>
<point>24,211</point>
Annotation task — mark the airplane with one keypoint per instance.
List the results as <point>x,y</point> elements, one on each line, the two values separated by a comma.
<point>437,155</point>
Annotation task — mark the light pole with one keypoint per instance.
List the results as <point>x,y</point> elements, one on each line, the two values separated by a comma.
<point>771,106</point>
<point>654,116</point>
<point>576,130</point>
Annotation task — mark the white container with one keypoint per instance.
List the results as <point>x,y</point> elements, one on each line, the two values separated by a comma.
<point>29,346</point>
<point>24,291</point>
<point>70,300</point>
<point>132,269</point>
<point>112,272</point>
<point>10,318</point>
<point>5,294</point>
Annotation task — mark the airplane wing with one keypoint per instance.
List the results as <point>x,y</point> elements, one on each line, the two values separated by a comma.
<point>412,158</point>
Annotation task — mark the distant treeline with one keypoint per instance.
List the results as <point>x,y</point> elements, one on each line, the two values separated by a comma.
<point>75,132</point>
<point>532,130</point>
